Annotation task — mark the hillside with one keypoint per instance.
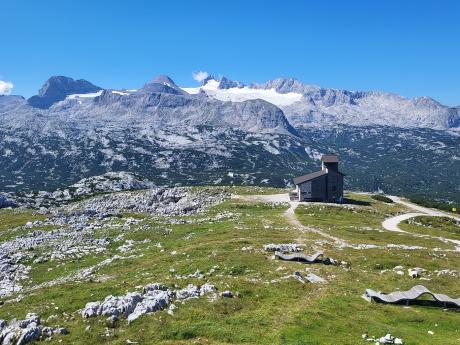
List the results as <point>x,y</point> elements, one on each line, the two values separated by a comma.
<point>226,133</point>
<point>398,161</point>
<point>57,260</point>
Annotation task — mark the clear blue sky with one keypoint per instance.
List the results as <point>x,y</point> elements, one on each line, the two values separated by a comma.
<point>407,47</point>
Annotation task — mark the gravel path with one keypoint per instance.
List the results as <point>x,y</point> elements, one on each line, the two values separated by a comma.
<point>421,209</point>
<point>290,214</point>
<point>391,224</point>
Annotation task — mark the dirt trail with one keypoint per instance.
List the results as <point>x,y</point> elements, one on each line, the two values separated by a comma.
<point>421,209</point>
<point>391,224</point>
<point>290,215</point>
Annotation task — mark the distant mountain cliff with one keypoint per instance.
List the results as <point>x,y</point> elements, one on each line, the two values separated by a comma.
<point>161,103</point>
<point>225,132</point>
<point>309,105</point>
<point>57,88</point>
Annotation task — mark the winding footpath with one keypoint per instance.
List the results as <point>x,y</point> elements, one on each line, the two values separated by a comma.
<point>391,224</point>
<point>291,217</point>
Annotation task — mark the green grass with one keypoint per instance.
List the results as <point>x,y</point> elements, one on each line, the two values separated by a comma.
<point>360,224</point>
<point>382,198</point>
<point>252,190</point>
<point>267,312</point>
<point>434,226</point>
<point>12,222</point>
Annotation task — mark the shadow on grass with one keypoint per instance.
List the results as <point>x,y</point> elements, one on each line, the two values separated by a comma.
<point>424,303</point>
<point>355,202</point>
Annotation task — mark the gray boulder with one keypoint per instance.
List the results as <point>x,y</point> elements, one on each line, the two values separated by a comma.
<point>155,297</point>
<point>191,291</point>
<point>120,305</point>
<point>152,301</point>
<point>20,332</point>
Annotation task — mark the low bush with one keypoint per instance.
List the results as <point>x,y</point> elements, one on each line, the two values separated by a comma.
<point>382,198</point>
<point>444,206</point>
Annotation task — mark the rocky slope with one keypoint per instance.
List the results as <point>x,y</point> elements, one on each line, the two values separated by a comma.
<point>67,105</point>
<point>310,105</point>
<point>224,132</point>
<point>58,88</point>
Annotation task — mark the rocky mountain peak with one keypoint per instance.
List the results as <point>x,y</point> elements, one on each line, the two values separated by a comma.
<point>162,84</point>
<point>57,88</point>
<point>162,78</point>
<point>426,102</point>
<point>208,78</point>
<point>225,83</point>
<point>285,85</point>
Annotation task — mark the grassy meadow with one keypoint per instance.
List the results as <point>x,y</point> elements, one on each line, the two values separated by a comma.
<point>271,308</point>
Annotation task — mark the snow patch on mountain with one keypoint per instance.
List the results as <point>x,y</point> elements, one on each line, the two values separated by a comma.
<point>241,94</point>
<point>313,106</point>
<point>85,95</point>
<point>123,93</point>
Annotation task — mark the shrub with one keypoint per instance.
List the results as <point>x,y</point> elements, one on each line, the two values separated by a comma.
<point>444,206</point>
<point>382,198</point>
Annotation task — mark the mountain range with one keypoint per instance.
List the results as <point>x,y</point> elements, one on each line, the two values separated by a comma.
<point>309,105</point>
<point>224,132</point>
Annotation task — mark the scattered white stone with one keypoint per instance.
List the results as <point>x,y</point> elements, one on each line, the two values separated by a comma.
<point>11,273</point>
<point>21,332</point>
<point>452,273</point>
<point>207,289</point>
<point>113,305</point>
<point>191,291</point>
<point>387,339</point>
<point>283,247</point>
<point>171,309</point>
<point>415,272</point>
<point>153,298</point>
<point>126,247</point>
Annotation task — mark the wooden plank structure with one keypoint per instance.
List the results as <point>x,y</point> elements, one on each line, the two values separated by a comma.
<point>410,295</point>
<point>317,257</point>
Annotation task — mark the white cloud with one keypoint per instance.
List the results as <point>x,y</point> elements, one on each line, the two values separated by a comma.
<point>5,87</point>
<point>200,76</point>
